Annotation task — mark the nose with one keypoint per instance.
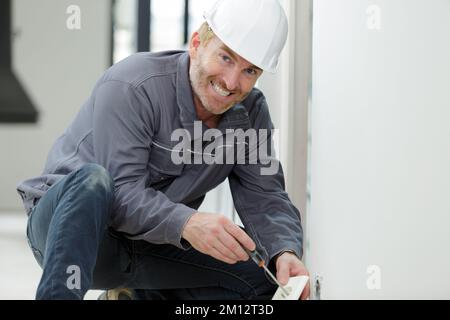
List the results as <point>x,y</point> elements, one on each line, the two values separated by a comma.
<point>232,78</point>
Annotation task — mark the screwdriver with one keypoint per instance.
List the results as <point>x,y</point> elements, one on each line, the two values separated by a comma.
<point>258,259</point>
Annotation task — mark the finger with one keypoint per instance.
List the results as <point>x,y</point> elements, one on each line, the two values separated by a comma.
<point>219,256</point>
<point>283,273</point>
<point>235,247</point>
<point>306,292</point>
<point>240,236</point>
<point>224,250</point>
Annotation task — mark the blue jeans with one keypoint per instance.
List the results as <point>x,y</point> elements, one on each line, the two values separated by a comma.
<point>69,235</point>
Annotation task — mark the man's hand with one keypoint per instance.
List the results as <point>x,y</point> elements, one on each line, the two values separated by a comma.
<point>289,265</point>
<point>217,236</point>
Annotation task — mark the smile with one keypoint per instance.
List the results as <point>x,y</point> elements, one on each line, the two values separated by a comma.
<point>221,91</point>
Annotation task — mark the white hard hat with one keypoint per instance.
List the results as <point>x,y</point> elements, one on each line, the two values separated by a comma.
<point>254,29</point>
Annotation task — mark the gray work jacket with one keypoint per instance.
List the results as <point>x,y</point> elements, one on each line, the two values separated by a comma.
<point>126,126</point>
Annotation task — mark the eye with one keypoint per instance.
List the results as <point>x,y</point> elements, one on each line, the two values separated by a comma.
<point>226,58</point>
<point>251,71</point>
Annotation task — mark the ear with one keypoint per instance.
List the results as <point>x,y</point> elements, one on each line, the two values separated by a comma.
<point>194,44</point>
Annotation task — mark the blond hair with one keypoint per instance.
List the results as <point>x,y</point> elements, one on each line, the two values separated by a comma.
<point>205,33</point>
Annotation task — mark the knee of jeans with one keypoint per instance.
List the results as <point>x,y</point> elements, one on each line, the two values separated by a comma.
<point>96,179</point>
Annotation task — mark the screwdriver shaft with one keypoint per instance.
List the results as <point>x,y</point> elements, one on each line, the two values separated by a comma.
<point>275,279</point>
<point>258,259</point>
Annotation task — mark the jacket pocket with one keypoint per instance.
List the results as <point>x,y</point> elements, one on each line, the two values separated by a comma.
<point>160,163</point>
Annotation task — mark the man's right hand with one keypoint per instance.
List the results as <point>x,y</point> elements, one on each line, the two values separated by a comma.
<point>217,236</point>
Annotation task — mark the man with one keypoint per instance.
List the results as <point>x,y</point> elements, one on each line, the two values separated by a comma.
<point>112,208</point>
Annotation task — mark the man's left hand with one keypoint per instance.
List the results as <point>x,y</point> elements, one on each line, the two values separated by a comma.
<point>289,265</point>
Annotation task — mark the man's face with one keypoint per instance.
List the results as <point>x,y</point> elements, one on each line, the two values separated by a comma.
<point>220,78</point>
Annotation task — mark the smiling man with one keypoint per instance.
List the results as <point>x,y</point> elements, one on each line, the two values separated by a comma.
<point>220,78</point>
<point>112,210</point>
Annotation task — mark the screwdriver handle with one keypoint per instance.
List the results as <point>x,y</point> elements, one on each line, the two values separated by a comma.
<point>256,257</point>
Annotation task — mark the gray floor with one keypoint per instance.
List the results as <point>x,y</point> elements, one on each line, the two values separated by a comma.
<point>19,272</point>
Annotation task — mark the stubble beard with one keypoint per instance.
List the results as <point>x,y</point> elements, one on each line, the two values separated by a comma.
<point>199,81</point>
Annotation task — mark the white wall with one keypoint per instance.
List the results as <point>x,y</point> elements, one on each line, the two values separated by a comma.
<point>58,67</point>
<point>380,162</point>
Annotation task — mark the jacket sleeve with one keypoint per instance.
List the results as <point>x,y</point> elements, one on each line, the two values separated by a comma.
<point>123,126</point>
<point>261,200</point>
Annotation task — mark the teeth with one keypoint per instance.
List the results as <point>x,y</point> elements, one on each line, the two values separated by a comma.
<point>220,90</point>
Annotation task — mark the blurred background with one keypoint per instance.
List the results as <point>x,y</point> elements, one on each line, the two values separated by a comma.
<point>361,101</point>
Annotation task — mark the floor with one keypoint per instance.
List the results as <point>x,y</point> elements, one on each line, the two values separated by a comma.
<point>19,272</point>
